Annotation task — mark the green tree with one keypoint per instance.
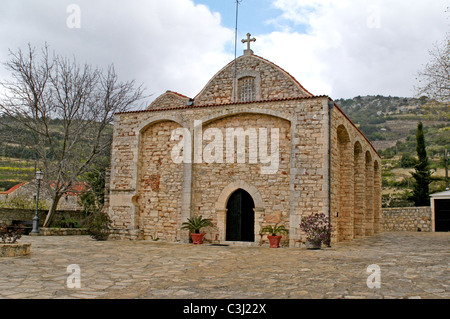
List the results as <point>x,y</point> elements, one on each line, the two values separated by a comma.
<point>93,196</point>
<point>422,173</point>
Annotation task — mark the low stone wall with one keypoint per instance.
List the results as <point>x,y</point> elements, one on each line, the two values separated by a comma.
<point>63,231</point>
<point>407,219</point>
<point>15,250</point>
<point>7,215</point>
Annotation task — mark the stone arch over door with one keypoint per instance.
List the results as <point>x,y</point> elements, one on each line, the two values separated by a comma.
<point>345,216</point>
<point>222,201</point>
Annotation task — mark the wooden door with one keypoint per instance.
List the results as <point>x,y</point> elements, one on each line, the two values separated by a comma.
<point>240,217</point>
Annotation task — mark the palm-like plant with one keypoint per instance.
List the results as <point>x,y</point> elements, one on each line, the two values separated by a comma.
<point>196,223</point>
<point>274,230</point>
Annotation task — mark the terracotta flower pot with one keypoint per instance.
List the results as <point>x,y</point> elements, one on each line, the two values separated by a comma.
<point>274,241</point>
<point>197,238</point>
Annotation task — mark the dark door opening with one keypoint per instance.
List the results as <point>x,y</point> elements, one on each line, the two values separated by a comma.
<point>240,217</point>
<point>442,215</point>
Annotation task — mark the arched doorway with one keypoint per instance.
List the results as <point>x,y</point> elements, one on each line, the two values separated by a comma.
<point>240,220</point>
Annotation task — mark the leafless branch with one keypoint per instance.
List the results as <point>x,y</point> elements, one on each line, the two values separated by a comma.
<point>83,99</point>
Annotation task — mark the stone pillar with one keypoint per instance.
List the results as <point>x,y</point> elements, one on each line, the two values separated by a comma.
<point>259,217</point>
<point>346,185</point>
<point>377,227</point>
<point>221,223</point>
<point>346,214</point>
<point>186,197</point>
<point>359,193</point>
<point>369,218</point>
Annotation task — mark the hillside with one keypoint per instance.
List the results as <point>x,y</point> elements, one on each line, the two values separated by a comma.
<point>18,163</point>
<point>390,123</point>
<point>388,120</point>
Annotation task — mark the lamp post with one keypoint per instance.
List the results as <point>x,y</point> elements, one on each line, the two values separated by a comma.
<point>446,170</point>
<point>39,177</point>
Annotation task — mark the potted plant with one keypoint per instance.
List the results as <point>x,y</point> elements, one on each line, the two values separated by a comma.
<point>317,229</point>
<point>194,225</point>
<point>274,234</point>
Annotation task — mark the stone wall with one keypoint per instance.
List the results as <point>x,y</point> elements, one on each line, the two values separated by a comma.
<point>7,215</point>
<point>63,231</point>
<point>298,188</point>
<point>355,181</point>
<point>28,190</point>
<point>407,219</point>
<point>271,82</point>
<point>158,200</point>
<point>150,195</point>
<point>209,180</point>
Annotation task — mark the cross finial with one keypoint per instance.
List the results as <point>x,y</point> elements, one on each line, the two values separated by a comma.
<point>248,41</point>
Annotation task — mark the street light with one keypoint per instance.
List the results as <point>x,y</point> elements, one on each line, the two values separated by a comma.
<point>446,170</point>
<point>39,177</point>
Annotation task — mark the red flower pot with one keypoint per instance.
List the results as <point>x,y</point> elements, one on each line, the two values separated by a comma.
<point>197,238</point>
<point>274,241</point>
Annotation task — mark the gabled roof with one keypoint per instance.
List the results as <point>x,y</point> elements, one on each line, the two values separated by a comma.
<point>73,190</point>
<point>275,84</point>
<point>14,188</point>
<point>445,194</point>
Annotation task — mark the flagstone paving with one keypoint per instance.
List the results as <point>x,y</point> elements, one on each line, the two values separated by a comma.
<point>412,265</point>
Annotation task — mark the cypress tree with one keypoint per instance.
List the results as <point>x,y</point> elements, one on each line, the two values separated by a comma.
<point>422,174</point>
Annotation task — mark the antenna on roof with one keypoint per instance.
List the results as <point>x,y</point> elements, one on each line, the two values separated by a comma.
<point>235,50</point>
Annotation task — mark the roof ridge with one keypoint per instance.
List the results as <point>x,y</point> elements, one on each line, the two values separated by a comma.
<point>283,70</point>
<point>179,94</point>
<point>14,188</point>
<point>225,104</point>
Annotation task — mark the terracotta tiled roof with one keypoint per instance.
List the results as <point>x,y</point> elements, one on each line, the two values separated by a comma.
<point>225,104</point>
<point>14,188</point>
<point>179,94</point>
<point>74,189</point>
<point>287,73</point>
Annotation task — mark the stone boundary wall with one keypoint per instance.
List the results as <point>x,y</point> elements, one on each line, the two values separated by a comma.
<point>14,250</point>
<point>63,231</point>
<point>407,219</point>
<point>7,215</point>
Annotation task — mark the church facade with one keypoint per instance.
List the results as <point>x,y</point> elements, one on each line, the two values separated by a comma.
<point>254,147</point>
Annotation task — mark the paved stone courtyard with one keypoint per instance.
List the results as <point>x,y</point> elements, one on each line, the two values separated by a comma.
<point>412,265</point>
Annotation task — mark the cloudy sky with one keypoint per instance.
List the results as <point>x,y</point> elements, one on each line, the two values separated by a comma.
<point>341,48</point>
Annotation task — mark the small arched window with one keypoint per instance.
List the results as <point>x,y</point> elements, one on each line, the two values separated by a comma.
<point>247,91</point>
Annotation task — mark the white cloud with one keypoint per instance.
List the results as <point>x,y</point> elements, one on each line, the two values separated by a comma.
<point>350,47</point>
<point>355,47</point>
<point>167,45</point>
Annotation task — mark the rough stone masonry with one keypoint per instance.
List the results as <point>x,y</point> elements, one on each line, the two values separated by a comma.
<point>325,164</point>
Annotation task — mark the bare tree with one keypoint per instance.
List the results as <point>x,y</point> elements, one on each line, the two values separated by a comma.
<point>80,99</point>
<point>434,78</point>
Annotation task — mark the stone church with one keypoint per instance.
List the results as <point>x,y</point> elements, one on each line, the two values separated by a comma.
<point>252,148</point>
